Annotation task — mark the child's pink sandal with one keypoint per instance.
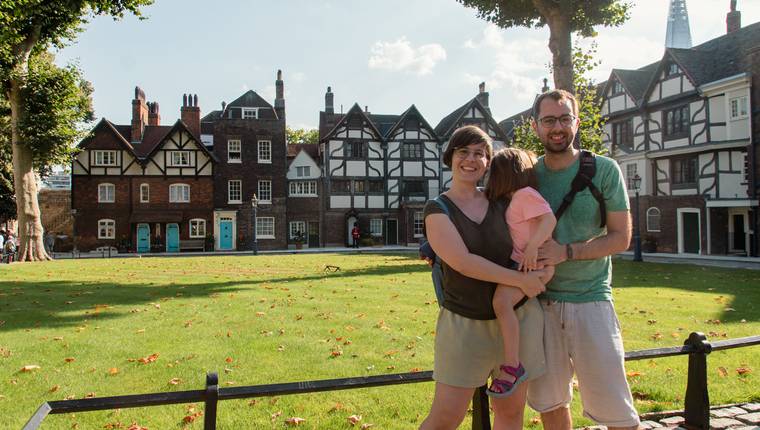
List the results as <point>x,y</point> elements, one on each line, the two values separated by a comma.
<point>500,388</point>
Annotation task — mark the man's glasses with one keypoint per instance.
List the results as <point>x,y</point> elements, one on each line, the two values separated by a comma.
<point>463,153</point>
<point>550,121</point>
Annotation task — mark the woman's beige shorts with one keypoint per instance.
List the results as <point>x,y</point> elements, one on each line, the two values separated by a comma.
<point>468,351</point>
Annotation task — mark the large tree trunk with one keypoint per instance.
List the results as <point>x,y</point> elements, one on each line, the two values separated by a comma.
<point>560,41</point>
<point>31,246</point>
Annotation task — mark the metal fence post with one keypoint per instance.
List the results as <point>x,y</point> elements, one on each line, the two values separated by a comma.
<point>697,400</point>
<point>481,419</point>
<point>212,398</point>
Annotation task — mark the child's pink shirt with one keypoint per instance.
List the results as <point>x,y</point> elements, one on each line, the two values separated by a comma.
<point>522,218</point>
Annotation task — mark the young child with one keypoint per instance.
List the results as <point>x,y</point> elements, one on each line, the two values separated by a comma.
<point>531,222</point>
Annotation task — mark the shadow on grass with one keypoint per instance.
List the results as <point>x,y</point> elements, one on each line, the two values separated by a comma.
<point>58,303</point>
<point>737,286</point>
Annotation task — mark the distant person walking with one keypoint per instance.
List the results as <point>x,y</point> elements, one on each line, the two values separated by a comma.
<point>355,234</point>
<point>9,249</point>
<point>49,242</point>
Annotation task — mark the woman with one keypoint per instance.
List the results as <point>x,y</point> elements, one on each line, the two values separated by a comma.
<point>475,246</point>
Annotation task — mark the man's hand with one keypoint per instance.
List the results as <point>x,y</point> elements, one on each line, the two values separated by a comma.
<point>530,258</point>
<point>532,285</point>
<point>551,253</point>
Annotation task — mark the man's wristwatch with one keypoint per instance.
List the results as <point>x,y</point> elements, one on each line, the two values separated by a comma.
<point>569,252</point>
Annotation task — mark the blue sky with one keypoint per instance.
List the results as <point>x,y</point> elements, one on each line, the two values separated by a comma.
<point>385,54</point>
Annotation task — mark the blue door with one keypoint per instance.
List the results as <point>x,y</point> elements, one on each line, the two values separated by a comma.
<point>143,238</point>
<point>225,234</point>
<point>172,238</point>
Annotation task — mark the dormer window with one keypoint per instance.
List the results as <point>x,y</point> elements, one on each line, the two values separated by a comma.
<point>250,113</point>
<point>672,69</point>
<point>179,158</point>
<point>617,88</point>
<point>104,158</point>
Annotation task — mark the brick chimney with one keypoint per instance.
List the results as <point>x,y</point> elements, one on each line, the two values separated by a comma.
<point>139,115</point>
<point>279,101</point>
<point>733,19</point>
<point>154,118</point>
<point>329,101</point>
<point>190,113</point>
<point>483,94</point>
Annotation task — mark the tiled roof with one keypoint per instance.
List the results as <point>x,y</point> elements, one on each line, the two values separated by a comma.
<point>250,99</point>
<point>444,126</point>
<point>152,136</point>
<point>311,149</point>
<point>212,116</point>
<point>636,81</point>
<point>384,123</point>
<point>508,125</point>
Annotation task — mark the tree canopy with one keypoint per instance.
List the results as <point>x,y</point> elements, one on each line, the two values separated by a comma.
<point>562,17</point>
<point>301,136</point>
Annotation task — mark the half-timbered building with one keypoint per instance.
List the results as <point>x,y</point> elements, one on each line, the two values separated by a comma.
<point>684,125</point>
<point>144,187</point>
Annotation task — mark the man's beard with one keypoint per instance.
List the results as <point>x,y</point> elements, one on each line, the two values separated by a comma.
<point>557,148</point>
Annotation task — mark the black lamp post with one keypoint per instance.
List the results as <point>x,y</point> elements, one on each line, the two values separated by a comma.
<point>636,226</point>
<point>254,206</point>
<point>74,232</point>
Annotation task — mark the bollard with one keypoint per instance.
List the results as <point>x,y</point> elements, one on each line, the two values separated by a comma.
<point>212,398</point>
<point>481,419</point>
<point>697,399</point>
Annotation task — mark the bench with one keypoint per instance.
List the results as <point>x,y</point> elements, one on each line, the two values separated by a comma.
<point>195,244</point>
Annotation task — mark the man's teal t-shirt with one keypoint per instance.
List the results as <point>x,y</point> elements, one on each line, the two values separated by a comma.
<point>581,281</point>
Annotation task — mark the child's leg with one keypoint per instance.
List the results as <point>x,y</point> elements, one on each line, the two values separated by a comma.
<point>504,300</point>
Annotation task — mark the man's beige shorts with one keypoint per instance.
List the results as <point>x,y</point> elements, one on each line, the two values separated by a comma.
<point>468,351</point>
<point>585,339</point>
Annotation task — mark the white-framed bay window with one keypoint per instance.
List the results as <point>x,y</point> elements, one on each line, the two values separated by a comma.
<point>106,193</point>
<point>265,227</point>
<point>106,229</point>
<point>302,189</point>
<point>198,228</point>
<point>179,193</point>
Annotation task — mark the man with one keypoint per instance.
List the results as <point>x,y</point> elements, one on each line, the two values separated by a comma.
<point>582,333</point>
<point>355,234</point>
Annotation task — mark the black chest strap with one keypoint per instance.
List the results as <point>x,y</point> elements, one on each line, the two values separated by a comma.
<point>586,173</point>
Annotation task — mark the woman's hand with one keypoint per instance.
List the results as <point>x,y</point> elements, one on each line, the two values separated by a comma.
<point>427,260</point>
<point>532,285</point>
<point>530,258</point>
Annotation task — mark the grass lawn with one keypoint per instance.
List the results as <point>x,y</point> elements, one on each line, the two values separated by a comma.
<point>127,326</point>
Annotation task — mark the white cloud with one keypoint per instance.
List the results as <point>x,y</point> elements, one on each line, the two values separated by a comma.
<point>402,56</point>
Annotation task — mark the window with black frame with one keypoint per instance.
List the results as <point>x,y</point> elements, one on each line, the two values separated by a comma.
<point>411,150</point>
<point>684,171</point>
<point>622,134</point>
<point>376,186</point>
<point>414,188</point>
<point>354,150</point>
<point>676,122</point>
<point>340,186</point>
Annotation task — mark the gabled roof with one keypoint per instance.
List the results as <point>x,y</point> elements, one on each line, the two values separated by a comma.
<point>383,123</point>
<point>355,109</point>
<point>158,138</point>
<point>508,125</point>
<point>250,99</point>
<point>327,122</point>
<point>635,82</point>
<point>152,136</point>
<point>445,125</point>
<point>412,111</point>
<point>107,127</point>
<point>212,116</point>
<point>312,149</point>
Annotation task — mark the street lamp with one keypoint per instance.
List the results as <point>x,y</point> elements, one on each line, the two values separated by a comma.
<point>254,205</point>
<point>636,227</point>
<point>74,232</point>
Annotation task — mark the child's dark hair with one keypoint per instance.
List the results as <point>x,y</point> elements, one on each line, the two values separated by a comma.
<point>511,169</point>
<point>466,136</point>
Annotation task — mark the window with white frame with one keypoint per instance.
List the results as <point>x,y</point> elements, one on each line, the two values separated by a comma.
<point>104,158</point>
<point>653,219</point>
<point>144,193</point>
<point>234,150</point>
<point>265,151</point>
<point>197,228</point>
<point>106,193</point>
<point>265,227</point>
<point>106,229</point>
<point>376,227</point>
<point>302,171</point>
<point>738,107</point>
<point>179,158</point>
<point>303,189</point>
<point>235,191</point>
<point>265,191</point>
<point>179,193</point>
<point>631,169</point>
<point>296,228</point>
<point>250,113</point>
<point>419,224</point>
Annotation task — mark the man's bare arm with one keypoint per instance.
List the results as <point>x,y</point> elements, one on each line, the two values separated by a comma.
<point>616,240</point>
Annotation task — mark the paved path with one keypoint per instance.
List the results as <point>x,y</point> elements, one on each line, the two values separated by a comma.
<point>743,416</point>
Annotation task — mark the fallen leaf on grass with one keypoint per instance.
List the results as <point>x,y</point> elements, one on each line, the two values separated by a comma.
<point>744,370</point>
<point>135,426</point>
<point>149,359</point>
<point>633,374</point>
<point>337,407</point>
<point>54,388</point>
<point>535,421</point>
<point>175,381</point>
<point>30,368</point>
<point>656,336</point>
<point>190,418</point>
<point>354,419</point>
<point>294,421</point>
<point>336,354</point>
<point>722,372</point>
<point>89,395</point>
<point>69,359</point>
<point>113,371</point>
<point>638,395</point>
<point>366,426</point>
<point>276,415</point>
<point>228,359</point>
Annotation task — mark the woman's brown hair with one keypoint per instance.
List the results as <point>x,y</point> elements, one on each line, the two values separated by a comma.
<point>466,136</point>
<point>511,169</point>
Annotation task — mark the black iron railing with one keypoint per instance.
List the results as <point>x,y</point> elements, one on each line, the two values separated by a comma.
<point>696,403</point>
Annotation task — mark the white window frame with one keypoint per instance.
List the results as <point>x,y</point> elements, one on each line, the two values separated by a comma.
<point>234,146</point>
<point>104,158</point>
<point>651,214</point>
<point>110,229</point>
<point>230,190</point>
<point>376,227</point>
<point>106,193</point>
<point>263,230</point>
<point>265,191</point>
<point>246,111</point>
<point>200,228</point>
<point>296,226</point>
<point>180,161</point>
<point>418,224</point>
<point>144,193</point>
<point>631,170</point>
<point>264,151</point>
<point>302,189</point>
<point>179,196</point>
<point>742,107</point>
